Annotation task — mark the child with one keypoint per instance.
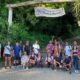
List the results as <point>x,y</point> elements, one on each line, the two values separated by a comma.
<point>36,48</point>
<point>49,48</point>
<point>67,49</point>
<point>24,61</point>
<point>17,54</point>
<point>48,60</point>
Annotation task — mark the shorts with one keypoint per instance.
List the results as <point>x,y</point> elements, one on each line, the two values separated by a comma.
<point>24,62</point>
<point>7,55</point>
<point>17,58</point>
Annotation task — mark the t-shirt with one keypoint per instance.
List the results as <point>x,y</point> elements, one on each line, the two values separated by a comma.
<point>27,49</point>
<point>67,60</point>
<point>24,59</point>
<point>58,59</point>
<point>7,49</point>
<point>50,48</point>
<point>68,50</point>
<point>17,51</point>
<point>49,59</point>
<point>36,48</point>
<point>75,49</point>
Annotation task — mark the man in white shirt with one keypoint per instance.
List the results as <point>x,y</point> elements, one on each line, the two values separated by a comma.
<point>36,48</point>
<point>67,49</point>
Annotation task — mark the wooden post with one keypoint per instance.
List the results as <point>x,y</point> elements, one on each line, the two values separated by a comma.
<point>10,16</point>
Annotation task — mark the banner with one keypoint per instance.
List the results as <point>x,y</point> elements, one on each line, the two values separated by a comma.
<point>47,12</point>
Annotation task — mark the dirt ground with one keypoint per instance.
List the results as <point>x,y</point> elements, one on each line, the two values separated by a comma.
<point>37,74</point>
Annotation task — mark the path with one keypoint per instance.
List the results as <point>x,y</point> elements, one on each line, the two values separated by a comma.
<point>37,74</point>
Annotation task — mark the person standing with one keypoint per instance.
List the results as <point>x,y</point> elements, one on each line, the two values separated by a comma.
<point>49,48</point>
<point>25,61</point>
<point>36,48</point>
<point>67,49</point>
<point>27,48</point>
<point>17,54</point>
<point>7,54</point>
<point>0,49</point>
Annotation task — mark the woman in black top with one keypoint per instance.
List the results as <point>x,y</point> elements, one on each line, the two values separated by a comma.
<point>26,48</point>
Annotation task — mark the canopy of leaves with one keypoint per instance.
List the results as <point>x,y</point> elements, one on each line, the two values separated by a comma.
<point>31,27</point>
<point>77,9</point>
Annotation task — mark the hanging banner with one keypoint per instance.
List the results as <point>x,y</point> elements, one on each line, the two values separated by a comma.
<point>47,12</point>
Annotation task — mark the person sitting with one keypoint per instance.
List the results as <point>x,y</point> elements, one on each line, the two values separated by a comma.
<point>24,61</point>
<point>32,59</point>
<point>58,62</point>
<point>67,62</point>
<point>48,60</point>
<point>39,61</point>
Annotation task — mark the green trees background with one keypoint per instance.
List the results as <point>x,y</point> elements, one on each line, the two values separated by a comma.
<point>27,26</point>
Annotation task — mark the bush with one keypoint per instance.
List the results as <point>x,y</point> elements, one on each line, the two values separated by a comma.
<point>17,33</point>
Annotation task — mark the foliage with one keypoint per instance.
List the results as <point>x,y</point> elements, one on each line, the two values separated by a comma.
<point>19,33</point>
<point>77,9</point>
<point>27,26</point>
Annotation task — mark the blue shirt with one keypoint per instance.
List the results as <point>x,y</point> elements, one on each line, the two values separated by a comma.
<point>17,51</point>
<point>67,60</point>
<point>58,59</point>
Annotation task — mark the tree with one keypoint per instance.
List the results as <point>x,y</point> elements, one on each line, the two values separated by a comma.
<point>77,9</point>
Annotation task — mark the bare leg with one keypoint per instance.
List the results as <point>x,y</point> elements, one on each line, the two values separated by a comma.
<point>9,59</point>
<point>5,62</point>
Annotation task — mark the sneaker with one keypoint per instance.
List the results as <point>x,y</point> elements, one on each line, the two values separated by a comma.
<point>55,70</point>
<point>27,68</point>
<point>5,67</point>
<point>76,71</point>
<point>10,67</point>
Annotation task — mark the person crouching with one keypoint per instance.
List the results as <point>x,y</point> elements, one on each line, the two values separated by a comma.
<point>32,59</point>
<point>24,61</point>
<point>67,62</point>
<point>48,60</point>
<point>58,62</point>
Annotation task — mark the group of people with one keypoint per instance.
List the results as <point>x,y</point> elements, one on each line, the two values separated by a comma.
<point>57,56</point>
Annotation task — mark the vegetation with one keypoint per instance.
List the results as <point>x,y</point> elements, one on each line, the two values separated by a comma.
<point>27,26</point>
<point>77,9</point>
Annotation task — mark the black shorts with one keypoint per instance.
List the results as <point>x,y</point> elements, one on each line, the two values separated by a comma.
<point>7,55</point>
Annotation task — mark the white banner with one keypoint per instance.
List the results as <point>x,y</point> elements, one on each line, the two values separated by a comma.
<point>47,12</point>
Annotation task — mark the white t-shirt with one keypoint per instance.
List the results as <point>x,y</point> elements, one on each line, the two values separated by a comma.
<point>24,59</point>
<point>38,58</point>
<point>7,49</point>
<point>36,48</point>
<point>67,50</point>
<point>49,59</point>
